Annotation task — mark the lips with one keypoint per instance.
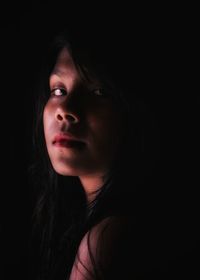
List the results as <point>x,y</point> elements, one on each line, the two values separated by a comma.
<point>67,141</point>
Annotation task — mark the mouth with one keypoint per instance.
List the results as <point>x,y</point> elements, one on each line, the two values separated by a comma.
<point>66,141</point>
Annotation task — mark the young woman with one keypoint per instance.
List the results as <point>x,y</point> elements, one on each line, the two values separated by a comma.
<point>86,151</point>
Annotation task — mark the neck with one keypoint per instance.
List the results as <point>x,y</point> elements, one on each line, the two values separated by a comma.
<point>91,185</point>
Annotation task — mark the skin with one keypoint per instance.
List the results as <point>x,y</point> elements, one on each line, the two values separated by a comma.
<point>108,232</point>
<point>78,108</point>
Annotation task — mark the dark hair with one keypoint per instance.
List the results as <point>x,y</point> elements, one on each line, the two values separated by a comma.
<point>61,215</point>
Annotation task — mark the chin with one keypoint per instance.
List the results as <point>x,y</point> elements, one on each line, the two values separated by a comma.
<point>66,170</point>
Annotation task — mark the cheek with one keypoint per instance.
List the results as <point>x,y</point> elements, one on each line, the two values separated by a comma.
<point>110,123</point>
<point>47,120</point>
<point>106,129</point>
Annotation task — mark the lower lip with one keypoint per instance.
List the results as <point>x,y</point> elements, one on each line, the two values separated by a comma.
<point>69,144</point>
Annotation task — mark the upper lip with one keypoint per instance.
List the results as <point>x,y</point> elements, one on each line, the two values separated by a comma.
<point>65,137</point>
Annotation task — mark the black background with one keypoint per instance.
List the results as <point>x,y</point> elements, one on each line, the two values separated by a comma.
<point>170,93</point>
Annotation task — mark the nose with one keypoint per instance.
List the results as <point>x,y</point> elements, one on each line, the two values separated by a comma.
<point>70,108</point>
<point>66,115</point>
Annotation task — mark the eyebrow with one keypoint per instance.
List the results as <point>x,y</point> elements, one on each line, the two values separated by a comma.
<point>59,72</point>
<point>62,75</point>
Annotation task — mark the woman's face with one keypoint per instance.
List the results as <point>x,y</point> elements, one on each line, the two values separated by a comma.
<point>81,125</point>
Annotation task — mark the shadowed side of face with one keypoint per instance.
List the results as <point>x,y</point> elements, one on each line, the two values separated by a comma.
<point>81,123</point>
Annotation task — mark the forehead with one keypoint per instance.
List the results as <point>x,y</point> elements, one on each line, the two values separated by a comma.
<point>65,69</point>
<point>64,64</point>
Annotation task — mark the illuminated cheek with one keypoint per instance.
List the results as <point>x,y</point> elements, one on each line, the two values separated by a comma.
<point>46,124</point>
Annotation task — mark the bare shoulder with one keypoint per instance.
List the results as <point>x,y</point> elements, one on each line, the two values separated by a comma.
<point>106,233</point>
<point>108,226</point>
<point>98,248</point>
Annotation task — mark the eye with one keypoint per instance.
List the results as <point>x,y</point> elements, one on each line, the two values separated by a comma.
<point>100,92</point>
<point>58,92</point>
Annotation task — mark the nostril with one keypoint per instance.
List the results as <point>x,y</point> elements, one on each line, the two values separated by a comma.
<point>59,117</point>
<point>70,118</point>
<point>62,116</point>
